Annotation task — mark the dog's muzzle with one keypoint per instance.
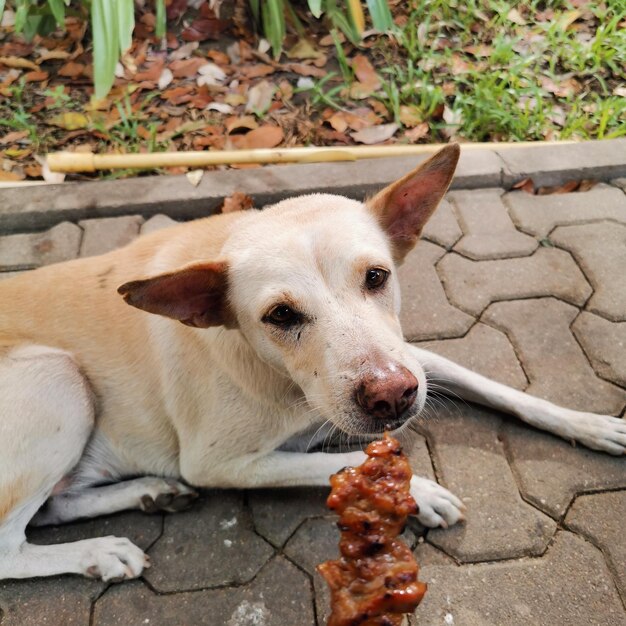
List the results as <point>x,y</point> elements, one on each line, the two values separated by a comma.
<point>387,394</point>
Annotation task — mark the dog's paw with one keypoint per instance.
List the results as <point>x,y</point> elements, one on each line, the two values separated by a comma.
<point>164,494</point>
<point>600,432</point>
<point>113,559</point>
<point>437,506</point>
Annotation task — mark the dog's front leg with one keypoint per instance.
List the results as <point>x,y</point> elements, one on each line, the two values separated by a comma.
<point>437,506</point>
<point>600,432</point>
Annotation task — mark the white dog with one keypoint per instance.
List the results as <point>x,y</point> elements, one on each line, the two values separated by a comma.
<point>289,320</point>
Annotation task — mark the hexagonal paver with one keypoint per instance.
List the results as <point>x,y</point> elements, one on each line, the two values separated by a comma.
<point>314,542</point>
<point>488,230</point>
<point>278,512</point>
<point>211,544</point>
<point>470,456</point>
<point>279,595</point>
<point>538,215</point>
<point>600,517</point>
<point>604,344</point>
<point>442,228</point>
<point>550,472</point>
<point>484,350</point>
<point>426,312</point>
<point>473,285</point>
<point>157,222</point>
<point>600,249</point>
<point>570,585</point>
<point>56,601</point>
<point>554,362</point>
<point>66,600</point>
<point>108,233</point>
<point>142,529</point>
<point>27,251</point>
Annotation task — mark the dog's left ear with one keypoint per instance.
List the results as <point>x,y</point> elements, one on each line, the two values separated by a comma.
<point>403,208</point>
<point>196,295</point>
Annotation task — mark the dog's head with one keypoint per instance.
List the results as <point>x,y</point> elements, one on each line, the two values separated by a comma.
<point>311,284</point>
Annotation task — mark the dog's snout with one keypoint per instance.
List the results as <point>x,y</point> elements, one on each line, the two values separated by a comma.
<point>387,394</point>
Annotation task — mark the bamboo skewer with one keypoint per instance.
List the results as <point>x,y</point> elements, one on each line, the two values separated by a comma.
<point>89,162</point>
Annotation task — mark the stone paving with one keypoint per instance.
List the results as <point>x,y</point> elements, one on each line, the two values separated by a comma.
<point>529,290</point>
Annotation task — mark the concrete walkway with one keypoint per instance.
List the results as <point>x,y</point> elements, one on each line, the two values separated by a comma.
<point>529,290</point>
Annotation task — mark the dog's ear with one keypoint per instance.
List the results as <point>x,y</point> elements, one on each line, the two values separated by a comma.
<point>403,208</point>
<point>195,295</point>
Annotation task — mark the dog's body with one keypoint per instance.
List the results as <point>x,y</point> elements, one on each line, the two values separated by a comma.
<point>290,323</point>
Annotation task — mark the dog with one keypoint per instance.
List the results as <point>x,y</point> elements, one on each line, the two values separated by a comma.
<point>245,332</point>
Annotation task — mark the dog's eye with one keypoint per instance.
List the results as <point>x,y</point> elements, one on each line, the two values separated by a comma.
<point>282,315</point>
<point>375,277</point>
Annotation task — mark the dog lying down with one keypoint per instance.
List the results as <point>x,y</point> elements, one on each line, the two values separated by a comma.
<point>289,321</point>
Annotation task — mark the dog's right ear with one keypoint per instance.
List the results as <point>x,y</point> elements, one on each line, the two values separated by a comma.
<point>196,295</point>
<point>403,208</point>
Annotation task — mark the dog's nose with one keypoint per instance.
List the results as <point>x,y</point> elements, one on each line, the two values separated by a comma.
<point>388,393</point>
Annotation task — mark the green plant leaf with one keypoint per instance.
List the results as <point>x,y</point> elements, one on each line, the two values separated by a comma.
<point>274,24</point>
<point>2,3</point>
<point>160,18</point>
<point>381,15</point>
<point>355,10</point>
<point>315,6</point>
<point>58,10</point>
<point>21,13</point>
<point>343,24</point>
<point>256,11</point>
<point>125,23</point>
<point>106,44</point>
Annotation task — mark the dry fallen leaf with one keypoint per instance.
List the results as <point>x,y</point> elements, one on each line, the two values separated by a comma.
<point>210,74</point>
<point>516,17</point>
<point>338,121</point>
<point>11,176</point>
<point>525,185</point>
<point>18,63</point>
<point>256,71</point>
<point>239,201</point>
<point>71,69</point>
<point>186,68</point>
<point>35,77</point>
<point>195,176</point>
<point>165,78</point>
<point>410,115</point>
<point>303,49</point>
<point>266,136</point>
<point>566,187</point>
<point>245,121</point>
<point>184,52</point>
<point>260,97</point>
<point>375,134</point>
<point>419,132</point>
<point>220,107</point>
<point>69,121</point>
<point>51,55</point>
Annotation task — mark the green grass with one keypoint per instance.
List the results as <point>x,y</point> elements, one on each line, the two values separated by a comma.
<point>500,96</point>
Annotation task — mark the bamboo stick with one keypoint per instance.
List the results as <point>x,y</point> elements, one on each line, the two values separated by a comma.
<point>89,162</point>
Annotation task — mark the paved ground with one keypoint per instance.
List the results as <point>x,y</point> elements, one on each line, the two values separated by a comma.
<point>530,290</point>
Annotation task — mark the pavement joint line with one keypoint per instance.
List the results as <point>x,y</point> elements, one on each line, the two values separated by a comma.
<point>613,570</point>
<point>510,459</point>
<point>580,345</point>
<point>516,350</point>
<point>505,559</point>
